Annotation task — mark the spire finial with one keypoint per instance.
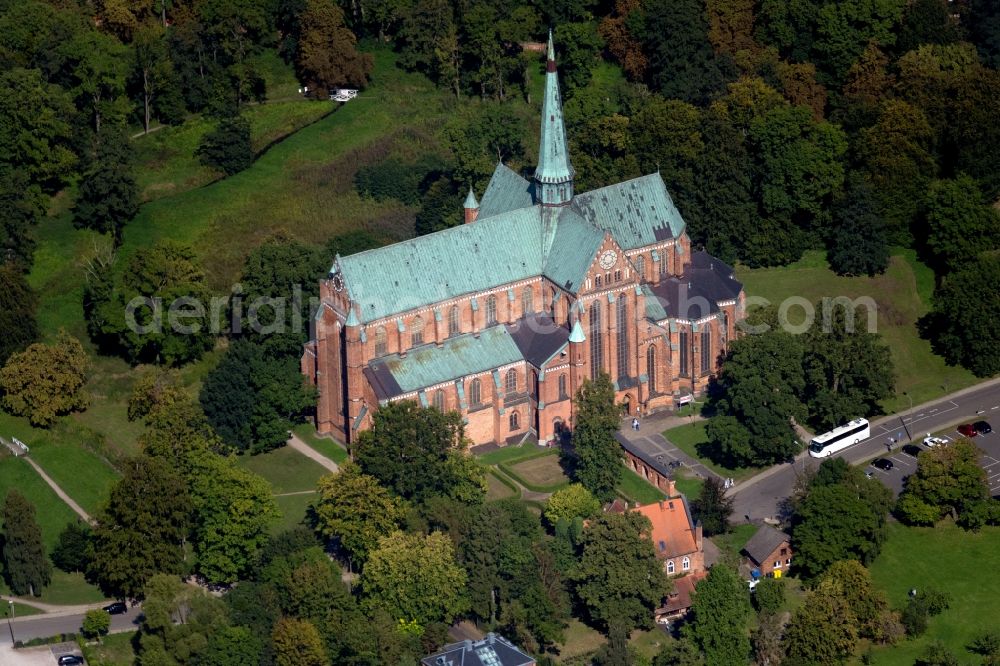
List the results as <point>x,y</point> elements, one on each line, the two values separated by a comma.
<point>554,174</point>
<point>552,48</point>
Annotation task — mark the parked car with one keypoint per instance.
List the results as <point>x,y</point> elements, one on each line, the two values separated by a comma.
<point>70,660</point>
<point>912,450</point>
<point>982,427</point>
<point>882,464</point>
<point>968,430</point>
<point>116,608</point>
<point>930,442</point>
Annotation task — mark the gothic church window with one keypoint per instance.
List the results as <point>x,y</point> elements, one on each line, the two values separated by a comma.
<point>417,335</point>
<point>476,392</point>
<point>706,351</point>
<point>526,304</point>
<point>510,384</point>
<point>514,421</point>
<point>622,324</point>
<point>491,310</point>
<point>381,347</point>
<point>596,340</point>
<point>562,387</point>
<point>683,349</point>
<point>640,267</point>
<point>439,400</point>
<point>651,367</point>
<point>453,324</point>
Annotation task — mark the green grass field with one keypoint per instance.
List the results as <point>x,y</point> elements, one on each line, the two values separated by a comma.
<point>497,487</point>
<point>287,470</point>
<point>541,474</point>
<point>634,488</point>
<point>113,650</point>
<point>691,439</point>
<point>689,486</point>
<point>293,511</point>
<point>733,541</point>
<point>325,445</point>
<point>509,454</point>
<point>81,474</point>
<point>21,610</point>
<point>902,295</point>
<point>961,563</point>
<point>51,512</point>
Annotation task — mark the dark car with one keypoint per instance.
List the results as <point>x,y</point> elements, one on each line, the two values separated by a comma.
<point>968,430</point>
<point>116,608</point>
<point>882,464</point>
<point>70,660</point>
<point>912,450</point>
<point>982,427</point>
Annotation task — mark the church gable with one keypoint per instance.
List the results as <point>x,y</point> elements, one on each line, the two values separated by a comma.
<point>609,267</point>
<point>506,191</point>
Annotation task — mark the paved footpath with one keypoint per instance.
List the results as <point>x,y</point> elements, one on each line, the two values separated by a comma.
<point>296,443</point>
<point>650,439</point>
<point>59,491</point>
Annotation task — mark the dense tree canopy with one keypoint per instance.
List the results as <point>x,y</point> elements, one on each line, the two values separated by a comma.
<point>45,381</point>
<point>720,610</point>
<point>957,327</point>
<point>18,305</point>
<point>598,454</point>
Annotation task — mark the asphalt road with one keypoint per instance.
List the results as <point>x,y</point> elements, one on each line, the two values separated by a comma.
<point>763,496</point>
<point>52,624</point>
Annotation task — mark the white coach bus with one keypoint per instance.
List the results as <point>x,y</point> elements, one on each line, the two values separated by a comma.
<point>840,438</point>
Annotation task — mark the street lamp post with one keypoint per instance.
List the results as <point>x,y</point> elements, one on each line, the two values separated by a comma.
<point>902,420</point>
<point>10,604</point>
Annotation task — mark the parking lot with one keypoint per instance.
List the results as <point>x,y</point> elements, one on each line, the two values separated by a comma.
<point>903,464</point>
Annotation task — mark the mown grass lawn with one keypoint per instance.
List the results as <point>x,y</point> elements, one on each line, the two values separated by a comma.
<point>732,542</point>
<point>634,488</point>
<point>497,489</point>
<point>83,475</point>
<point>51,512</point>
<point>21,610</point>
<point>902,295</point>
<point>287,470</point>
<point>325,445</point>
<point>509,454</point>
<point>113,650</point>
<point>962,564</point>
<point>293,511</point>
<point>688,485</point>
<point>691,439</point>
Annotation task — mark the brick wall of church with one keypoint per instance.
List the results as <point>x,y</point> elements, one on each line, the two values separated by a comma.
<point>337,362</point>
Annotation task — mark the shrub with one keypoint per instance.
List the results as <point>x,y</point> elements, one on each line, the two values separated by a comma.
<point>96,623</point>
<point>769,595</point>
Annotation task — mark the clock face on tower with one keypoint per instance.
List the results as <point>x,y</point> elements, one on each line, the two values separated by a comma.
<point>338,282</point>
<point>608,259</point>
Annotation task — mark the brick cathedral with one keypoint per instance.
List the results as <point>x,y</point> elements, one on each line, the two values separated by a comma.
<point>504,317</point>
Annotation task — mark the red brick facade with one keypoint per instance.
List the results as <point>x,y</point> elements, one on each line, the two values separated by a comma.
<point>649,379</point>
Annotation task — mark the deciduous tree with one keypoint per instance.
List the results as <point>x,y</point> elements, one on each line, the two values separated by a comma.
<point>417,453</point>
<point>415,577</point>
<point>568,503</point>
<point>860,244</point>
<point>70,552</point>
<point>109,196</point>
<point>26,567</point>
<point>327,54</point>
<point>45,381</point>
<point>720,610</point>
<point>618,576</point>
<point>957,327</point>
<point>298,643</point>
<point>96,623</point>
<point>948,478</point>
<point>961,224</point>
<point>355,511</point>
<point>821,631</point>
<point>227,148</point>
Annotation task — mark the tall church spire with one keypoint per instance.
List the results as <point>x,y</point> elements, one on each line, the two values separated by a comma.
<point>554,173</point>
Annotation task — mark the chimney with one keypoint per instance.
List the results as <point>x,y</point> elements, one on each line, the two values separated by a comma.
<point>698,537</point>
<point>671,488</point>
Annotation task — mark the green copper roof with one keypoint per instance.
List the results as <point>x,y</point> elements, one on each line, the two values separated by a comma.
<point>576,335</point>
<point>470,201</point>
<point>573,247</point>
<point>553,151</point>
<point>638,212</point>
<point>458,357</point>
<point>506,191</point>
<point>654,309</point>
<point>352,319</point>
<point>453,262</point>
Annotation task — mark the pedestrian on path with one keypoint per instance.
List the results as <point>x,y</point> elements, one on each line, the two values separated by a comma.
<point>635,424</point>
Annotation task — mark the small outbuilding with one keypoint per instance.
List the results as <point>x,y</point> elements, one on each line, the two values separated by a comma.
<point>769,551</point>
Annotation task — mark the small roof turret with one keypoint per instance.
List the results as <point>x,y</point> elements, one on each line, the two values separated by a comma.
<point>470,200</point>
<point>576,335</point>
<point>352,319</point>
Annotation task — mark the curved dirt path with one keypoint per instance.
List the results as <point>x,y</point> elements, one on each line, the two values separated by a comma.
<point>59,491</point>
